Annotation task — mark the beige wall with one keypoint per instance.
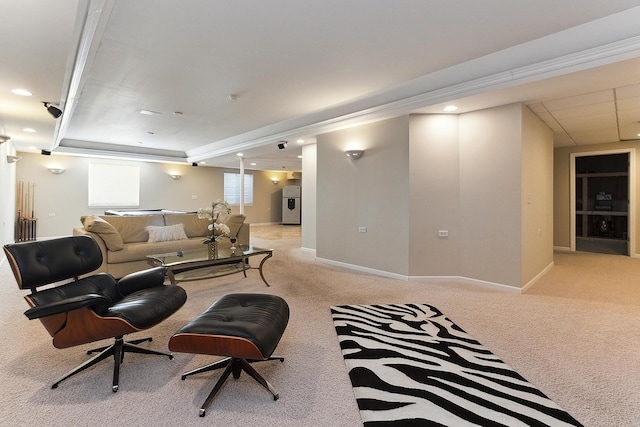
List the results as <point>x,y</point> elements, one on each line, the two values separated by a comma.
<point>490,194</point>
<point>562,197</point>
<point>61,199</point>
<point>7,195</point>
<point>371,192</point>
<point>309,188</point>
<point>434,165</point>
<point>485,177</point>
<point>537,196</point>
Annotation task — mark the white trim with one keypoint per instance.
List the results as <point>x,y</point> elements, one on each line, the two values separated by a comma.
<point>433,279</point>
<point>537,277</point>
<point>363,269</point>
<point>469,281</point>
<point>561,249</point>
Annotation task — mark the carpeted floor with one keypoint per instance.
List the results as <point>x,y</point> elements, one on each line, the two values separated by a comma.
<point>575,336</point>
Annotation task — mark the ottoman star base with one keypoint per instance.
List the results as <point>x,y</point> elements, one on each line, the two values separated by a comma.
<point>246,328</point>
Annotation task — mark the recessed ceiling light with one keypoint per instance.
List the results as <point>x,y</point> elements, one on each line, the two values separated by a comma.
<point>21,92</point>
<point>149,113</point>
<point>239,154</point>
<point>29,130</point>
<point>300,141</point>
<point>253,163</point>
<point>178,113</point>
<point>300,156</point>
<point>450,108</point>
<point>233,97</point>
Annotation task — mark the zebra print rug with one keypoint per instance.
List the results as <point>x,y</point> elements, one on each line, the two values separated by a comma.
<point>411,366</point>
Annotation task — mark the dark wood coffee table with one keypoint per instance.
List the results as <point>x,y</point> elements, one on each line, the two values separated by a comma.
<point>195,264</point>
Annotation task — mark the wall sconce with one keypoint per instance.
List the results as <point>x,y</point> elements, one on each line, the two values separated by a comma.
<point>4,138</point>
<point>13,159</point>
<point>56,171</point>
<point>175,176</point>
<point>354,154</point>
<point>275,180</point>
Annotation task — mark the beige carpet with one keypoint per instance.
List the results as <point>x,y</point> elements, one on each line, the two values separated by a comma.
<point>575,336</point>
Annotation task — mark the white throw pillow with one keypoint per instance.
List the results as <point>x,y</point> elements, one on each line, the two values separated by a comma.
<point>166,233</point>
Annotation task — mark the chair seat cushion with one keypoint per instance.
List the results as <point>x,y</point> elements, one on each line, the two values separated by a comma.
<point>257,318</point>
<point>148,307</point>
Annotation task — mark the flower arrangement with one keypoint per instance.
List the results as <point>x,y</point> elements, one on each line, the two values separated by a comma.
<point>212,212</point>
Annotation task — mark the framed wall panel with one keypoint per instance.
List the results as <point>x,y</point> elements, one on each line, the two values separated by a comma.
<point>112,185</point>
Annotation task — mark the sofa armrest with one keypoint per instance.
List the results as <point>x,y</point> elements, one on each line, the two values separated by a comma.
<point>244,234</point>
<point>79,231</point>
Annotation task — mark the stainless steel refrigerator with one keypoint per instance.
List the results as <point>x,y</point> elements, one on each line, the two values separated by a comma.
<point>291,209</point>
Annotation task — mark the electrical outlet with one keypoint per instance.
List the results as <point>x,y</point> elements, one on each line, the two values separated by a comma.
<point>362,229</point>
<point>443,233</point>
<point>194,197</point>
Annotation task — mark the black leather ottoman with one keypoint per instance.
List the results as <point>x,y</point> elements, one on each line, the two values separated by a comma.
<point>244,327</point>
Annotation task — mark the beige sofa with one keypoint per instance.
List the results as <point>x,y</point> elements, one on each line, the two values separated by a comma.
<point>125,241</point>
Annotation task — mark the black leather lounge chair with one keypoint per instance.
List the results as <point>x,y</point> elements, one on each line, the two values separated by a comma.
<point>94,307</point>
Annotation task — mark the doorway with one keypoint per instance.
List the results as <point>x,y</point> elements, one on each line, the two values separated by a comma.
<point>602,203</point>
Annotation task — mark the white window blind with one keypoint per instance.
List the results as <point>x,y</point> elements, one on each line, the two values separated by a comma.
<point>232,188</point>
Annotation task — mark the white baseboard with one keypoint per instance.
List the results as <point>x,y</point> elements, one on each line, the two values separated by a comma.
<point>538,276</point>
<point>434,279</point>
<point>562,249</point>
<point>470,281</point>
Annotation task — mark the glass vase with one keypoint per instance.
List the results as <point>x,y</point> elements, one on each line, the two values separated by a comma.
<point>213,249</point>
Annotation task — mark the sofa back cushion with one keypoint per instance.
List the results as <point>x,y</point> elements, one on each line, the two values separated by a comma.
<point>133,228</point>
<point>193,226</point>
<point>108,232</point>
<point>233,221</point>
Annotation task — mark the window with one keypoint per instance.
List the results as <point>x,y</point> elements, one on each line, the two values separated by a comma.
<point>232,188</point>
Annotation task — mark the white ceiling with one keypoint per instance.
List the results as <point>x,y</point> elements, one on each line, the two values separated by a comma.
<point>301,67</point>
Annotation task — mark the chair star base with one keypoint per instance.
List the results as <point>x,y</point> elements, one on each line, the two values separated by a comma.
<point>236,366</point>
<point>117,350</point>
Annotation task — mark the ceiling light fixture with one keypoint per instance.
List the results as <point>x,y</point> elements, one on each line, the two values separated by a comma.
<point>149,113</point>
<point>13,159</point>
<point>175,176</point>
<point>300,141</point>
<point>21,92</point>
<point>29,130</point>
<point>52,109</point>
<point>233,97</point>
<point>56,171</point>
<point>4,138</point>
<point>354,154</point>
<point>450,108</point>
